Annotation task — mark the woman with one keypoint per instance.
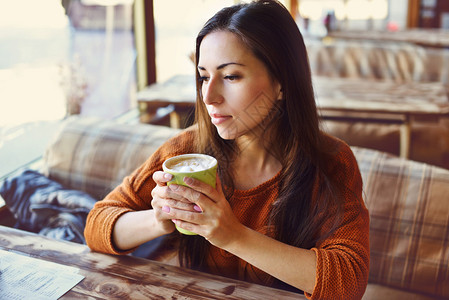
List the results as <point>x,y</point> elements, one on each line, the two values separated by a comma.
<point>288,209</point>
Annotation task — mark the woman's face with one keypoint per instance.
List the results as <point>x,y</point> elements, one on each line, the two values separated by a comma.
<point>236,86</point>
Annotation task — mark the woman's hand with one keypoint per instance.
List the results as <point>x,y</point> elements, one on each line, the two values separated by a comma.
<point>216,222</point>
<point>165,200</point>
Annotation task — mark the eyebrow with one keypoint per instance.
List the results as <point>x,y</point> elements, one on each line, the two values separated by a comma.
<point>223,65</point>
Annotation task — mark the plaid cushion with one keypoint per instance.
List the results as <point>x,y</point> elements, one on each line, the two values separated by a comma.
<point>94,155</point>
<point>409,230</point>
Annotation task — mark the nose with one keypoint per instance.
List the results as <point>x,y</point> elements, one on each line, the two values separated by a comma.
<point>212,91</point>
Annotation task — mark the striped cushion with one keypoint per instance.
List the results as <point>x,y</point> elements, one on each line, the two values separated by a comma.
<point>409,230</point>
<point>399,62</point>
<point>94,155</point>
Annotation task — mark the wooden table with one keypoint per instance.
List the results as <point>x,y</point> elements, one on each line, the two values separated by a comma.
<point>383,102</point>
<point>127,277</point>
<point>337,98</point>
<point>177,96</point>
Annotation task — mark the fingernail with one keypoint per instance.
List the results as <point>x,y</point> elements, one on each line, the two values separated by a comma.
<point>166,209</point>
<point>173,187</point>
<point>188,180</point>
<point>168,176</point>
<point>197,208</point>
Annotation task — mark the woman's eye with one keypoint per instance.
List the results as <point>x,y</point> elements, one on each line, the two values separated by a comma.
<point>203,79</point>
<point>232,77</point>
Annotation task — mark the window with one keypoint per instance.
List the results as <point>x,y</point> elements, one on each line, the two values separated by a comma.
<point>35,39</point>
<point>58,54</point>
<point>348,14</point>
<point>177,22</point>
<point>59,57</point>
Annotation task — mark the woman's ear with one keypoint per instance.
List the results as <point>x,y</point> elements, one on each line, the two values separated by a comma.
<point>277,88</point>
<point>281,94</point>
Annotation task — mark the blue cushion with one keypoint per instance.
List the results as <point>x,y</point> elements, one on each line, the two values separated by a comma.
<point>42,205</point>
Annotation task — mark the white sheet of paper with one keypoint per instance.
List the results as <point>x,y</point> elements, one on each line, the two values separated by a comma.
<point>24,277</point>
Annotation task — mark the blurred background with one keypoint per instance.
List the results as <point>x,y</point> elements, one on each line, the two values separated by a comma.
<point>91,57</point>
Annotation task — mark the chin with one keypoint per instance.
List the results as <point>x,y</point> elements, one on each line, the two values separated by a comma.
<point>226,136</point>
<point>227,133</point>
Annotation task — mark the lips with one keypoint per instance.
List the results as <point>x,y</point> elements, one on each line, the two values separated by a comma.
<point>217,119</point>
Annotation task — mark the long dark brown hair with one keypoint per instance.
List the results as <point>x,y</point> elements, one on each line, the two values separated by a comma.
<point>268,30</point>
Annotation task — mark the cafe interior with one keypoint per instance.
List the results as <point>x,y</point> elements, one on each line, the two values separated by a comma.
<point>89,89</point>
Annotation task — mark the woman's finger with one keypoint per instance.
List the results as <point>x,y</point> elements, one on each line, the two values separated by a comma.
<point>161,178</point>
<point>197,188</point>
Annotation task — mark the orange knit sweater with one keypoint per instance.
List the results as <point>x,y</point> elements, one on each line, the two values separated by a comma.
<point>342,258</point>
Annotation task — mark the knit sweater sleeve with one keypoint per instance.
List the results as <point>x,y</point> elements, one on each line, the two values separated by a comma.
<point>343,258</point>
<point>133,194</point>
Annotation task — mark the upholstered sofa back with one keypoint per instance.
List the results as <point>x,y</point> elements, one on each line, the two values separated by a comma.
<point>408,204</point>
<point>399,62</point>
<point>94,155</point>
<point>408,201</point>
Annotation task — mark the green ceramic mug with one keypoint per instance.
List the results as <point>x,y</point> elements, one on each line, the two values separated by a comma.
<point>199,166</point>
